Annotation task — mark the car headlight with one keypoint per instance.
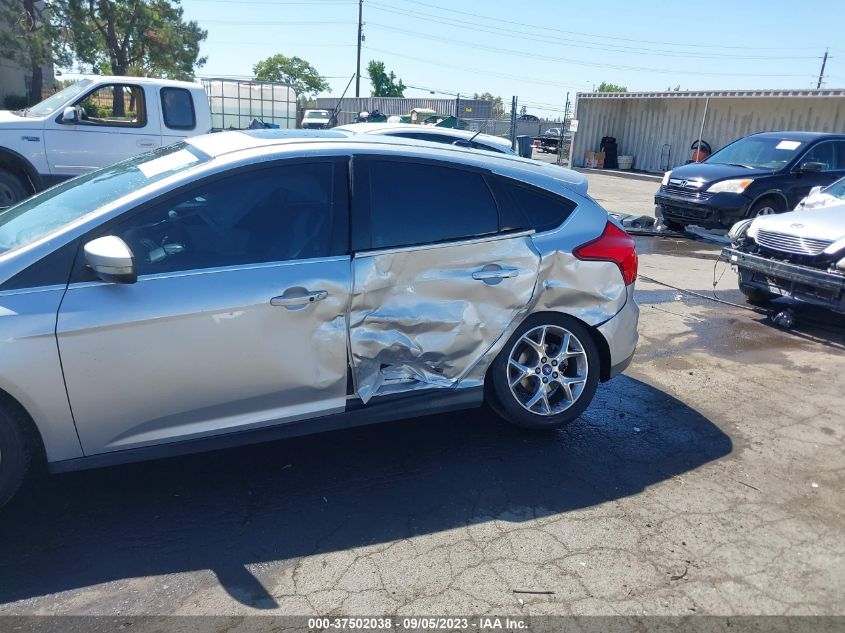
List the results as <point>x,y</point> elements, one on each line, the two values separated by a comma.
<point>739,230</point>
<point>665,180</point>
<point>737,185</point>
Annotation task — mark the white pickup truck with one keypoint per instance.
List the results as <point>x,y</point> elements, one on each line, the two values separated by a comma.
<point>101,120</point>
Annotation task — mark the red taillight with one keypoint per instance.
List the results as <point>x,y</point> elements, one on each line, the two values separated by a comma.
<point>613,245</point>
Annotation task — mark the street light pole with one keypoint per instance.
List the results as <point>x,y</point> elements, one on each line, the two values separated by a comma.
<point>358,68</point>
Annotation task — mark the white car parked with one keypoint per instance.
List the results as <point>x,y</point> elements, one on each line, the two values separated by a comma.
<point>433,134</point>
<point>799,254</point>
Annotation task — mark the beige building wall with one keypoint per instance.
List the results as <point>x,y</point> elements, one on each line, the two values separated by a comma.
<point>657,129</point>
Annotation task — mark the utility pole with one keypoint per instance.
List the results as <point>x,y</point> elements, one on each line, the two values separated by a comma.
<point>821,73</point>
<point>562,132</point>
<point>358,70</point>
<point>458,112</point>
<point>513,122</point>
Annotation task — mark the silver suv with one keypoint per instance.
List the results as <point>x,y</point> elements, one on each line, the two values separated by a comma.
<point>240,287</point>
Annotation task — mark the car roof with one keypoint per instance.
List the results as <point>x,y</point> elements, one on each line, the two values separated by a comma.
<point>171,83</point>
<point>385,128</point>
<point>797,135</point>
<point>266,142</point>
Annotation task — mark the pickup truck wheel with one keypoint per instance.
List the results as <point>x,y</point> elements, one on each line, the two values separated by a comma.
<point>16,451</point>
<point>12,189</point>
<point>766,206</point>
<point>546,375</point>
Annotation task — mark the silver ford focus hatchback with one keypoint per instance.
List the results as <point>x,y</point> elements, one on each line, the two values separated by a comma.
<point>241,287</point>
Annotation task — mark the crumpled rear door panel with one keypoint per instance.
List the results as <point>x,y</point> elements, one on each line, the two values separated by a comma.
<point>424,316</point>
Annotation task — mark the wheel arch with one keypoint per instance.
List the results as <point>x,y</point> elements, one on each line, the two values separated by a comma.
<point>7,400</point>
<point>601,343</point>
<point>11,160</point>
<point>772,193</point>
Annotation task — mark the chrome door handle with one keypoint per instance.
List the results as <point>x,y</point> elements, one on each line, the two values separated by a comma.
<point>299,301</point>
<point>496,273</point>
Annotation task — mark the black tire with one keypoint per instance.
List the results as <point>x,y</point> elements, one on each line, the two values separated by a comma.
<point>766,206</point>
<point>16,451</point>
<point>12,189</point>
<point>503,400</point>
<point>674,226</point>
<point>755,296</point>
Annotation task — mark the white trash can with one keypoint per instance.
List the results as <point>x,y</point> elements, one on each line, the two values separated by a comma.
<point>625,162</point>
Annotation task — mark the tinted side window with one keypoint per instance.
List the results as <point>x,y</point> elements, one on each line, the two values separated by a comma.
<point>418,203</point>
<point>177,108</point>
<point>840,155</point>
<point>489,148</point>
<point>542,210</point>
<point>275,214</point>
<point>821,153</point>
<point>431,138</point>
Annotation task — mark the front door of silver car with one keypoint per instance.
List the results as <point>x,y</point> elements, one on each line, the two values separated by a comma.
<point>438,277</point>
<point>237,319</point>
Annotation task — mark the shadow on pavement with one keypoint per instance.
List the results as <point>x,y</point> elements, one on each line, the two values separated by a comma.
<point>276,502</point>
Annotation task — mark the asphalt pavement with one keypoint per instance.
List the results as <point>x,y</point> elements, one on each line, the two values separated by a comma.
<point>709,479</point>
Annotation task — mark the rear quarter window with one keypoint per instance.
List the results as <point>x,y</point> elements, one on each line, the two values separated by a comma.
<point>177,109</point>
<point>522,204</point>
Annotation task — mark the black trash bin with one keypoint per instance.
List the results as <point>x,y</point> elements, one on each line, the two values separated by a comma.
<point>608,146</point>
<point>523,145</point>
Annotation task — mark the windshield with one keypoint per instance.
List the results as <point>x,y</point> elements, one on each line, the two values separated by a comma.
<point>837,189</point>
<point>757,153</point>
<point>54,102</point>
<point>68,202</point>
<point>317,114</point>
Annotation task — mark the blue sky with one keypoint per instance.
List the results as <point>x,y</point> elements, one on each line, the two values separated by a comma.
<point>535,49</point>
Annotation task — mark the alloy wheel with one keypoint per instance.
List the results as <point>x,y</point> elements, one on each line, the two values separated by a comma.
<point>547,370</point>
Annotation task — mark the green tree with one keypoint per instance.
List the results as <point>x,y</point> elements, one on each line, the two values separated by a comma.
<point>28,36</point>
<point>137,37</point>
<point>384,84</point>
<point>297,72</point>
<point>609,87</point>
<point>498,104</point>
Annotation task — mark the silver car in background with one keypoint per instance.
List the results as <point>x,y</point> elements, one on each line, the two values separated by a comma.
<point>245,286</point>
<point>433,134</point>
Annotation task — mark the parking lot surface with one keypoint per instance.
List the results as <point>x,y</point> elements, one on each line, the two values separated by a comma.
<point>618,192</point>
<point>709,479</point>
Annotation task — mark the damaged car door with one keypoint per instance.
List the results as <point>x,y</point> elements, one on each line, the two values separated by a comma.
<point>438,275</point>
<point>237,319</point>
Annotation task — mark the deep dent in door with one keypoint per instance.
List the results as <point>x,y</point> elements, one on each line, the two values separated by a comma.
<point>419,319</point>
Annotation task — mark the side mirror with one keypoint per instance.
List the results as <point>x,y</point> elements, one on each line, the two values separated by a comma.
<point>111,259</point>
<point>815,190</point>
<point>70,115</point>
<point>811,168</point>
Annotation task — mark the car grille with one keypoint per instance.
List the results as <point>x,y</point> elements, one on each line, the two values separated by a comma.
<point>683,212</point>
<point>689,194</point>
<point>791,243</point>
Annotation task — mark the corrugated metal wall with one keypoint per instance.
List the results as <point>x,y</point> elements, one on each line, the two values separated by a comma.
<point>470,108</point>
<point>644,126</point>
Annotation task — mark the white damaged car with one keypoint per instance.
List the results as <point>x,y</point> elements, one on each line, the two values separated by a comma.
<point>800,254</point>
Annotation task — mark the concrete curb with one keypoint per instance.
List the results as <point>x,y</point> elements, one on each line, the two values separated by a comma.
<point>631,175</point>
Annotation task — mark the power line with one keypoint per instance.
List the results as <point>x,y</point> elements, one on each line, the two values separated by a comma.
<point>475,71</point>
<point>570,60</point>
<point>570,43</point>
<point>279,2</point>
<point>475,16</point>
<point>269,23</point>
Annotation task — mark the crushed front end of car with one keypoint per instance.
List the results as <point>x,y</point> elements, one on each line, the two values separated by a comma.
<point>800,254</point>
